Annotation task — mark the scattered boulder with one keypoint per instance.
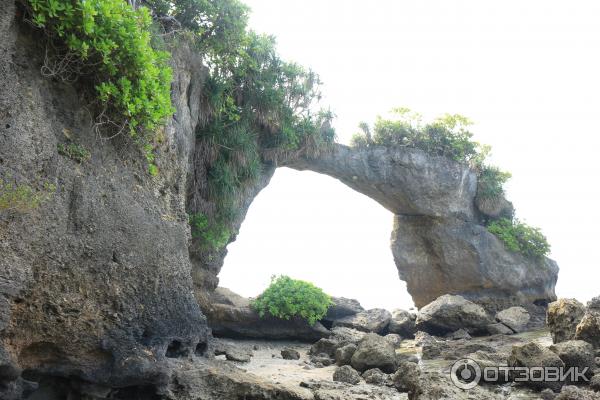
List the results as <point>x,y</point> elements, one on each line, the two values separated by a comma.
<point>460,334</point>
<point>375,320</point>
<point>342,307</point>
<point>491,359</point>
<point>562,319</point>
<point>452,350</point>
<point>449,313</point>
<point>321,360</point>
<point>548,394</point>
<point>394,339</point>
<point>324,346</point>
<point>576,353</point>
<point>406,376</point>
<point>346,374</point>
<point>588,328</point>
<point>343,355</point>
<point>534,355</point>
<point>576,393</point>
<point>595,383</point>
<point>435,386</point>
<point>376,376</point>
<point>374,352</point>
<point>422,338</point>
<point>290,354</point>
<point>403,323</point>
<point>499,329</point>
<point>232,352</point>
<point>347,335</point>
<point>516,318</point>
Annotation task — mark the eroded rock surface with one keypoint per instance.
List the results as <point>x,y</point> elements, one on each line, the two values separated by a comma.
<point>438,242</point>
<point>450,313</point>
<point>95,284</point>
<point>562,318</point>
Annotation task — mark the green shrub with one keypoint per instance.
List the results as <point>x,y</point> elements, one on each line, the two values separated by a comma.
<point>520,237</point>
<point>490,183</point>
<point>446,136</point>
<point>112,41</point>
<point>74,151</point>
<point>22,198</point>
<point>214,235</point>
<point>286,298</point>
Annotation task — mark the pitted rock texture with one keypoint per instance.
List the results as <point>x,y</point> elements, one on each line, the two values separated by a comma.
<point>95,284</point>
<point>438,242</point>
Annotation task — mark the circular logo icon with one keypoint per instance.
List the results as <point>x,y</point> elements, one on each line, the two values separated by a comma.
<point>465,374</point>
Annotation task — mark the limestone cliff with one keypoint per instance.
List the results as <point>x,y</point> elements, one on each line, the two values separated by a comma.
<point>95,284</point>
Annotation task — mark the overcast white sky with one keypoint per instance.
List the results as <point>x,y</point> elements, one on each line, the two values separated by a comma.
<point>527,72</point>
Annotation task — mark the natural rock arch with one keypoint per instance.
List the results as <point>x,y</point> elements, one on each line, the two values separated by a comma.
<point>439,243</point>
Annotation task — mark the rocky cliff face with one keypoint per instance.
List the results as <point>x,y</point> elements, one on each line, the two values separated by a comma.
<point>438,241</point>
<point>95,284</point>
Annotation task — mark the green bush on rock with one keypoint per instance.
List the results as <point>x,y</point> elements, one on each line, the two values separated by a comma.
<point>491,181</point>
<point>446,136</point>
<point>286,298</point>
<point>520,237</point>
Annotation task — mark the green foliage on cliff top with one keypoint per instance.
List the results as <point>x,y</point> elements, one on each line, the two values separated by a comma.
<point>258,107</point>
<point>447,136</point>
<point>520,237</point>
<point>286,298</point>
<point>111,41</point>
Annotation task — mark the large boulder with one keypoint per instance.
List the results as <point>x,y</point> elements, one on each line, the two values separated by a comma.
<point>450,313</point>
<point>342,307</point>
<point>588,328</point>
<point>347,335</point>
<point>577,354</point>
<point>534,355</point>
<point>243,322</point>
<point>516,318</point>
<point>375,320</point>
<point>403,323</point>
<point>374,352</point>
<point>562,318</point>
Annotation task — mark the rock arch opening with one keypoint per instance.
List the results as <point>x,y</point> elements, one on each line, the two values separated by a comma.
<point>338,239</point>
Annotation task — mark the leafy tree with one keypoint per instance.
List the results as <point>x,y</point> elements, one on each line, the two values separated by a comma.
<point>286,298</point>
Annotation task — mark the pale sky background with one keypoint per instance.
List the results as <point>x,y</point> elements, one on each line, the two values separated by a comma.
<point>526,72</point>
